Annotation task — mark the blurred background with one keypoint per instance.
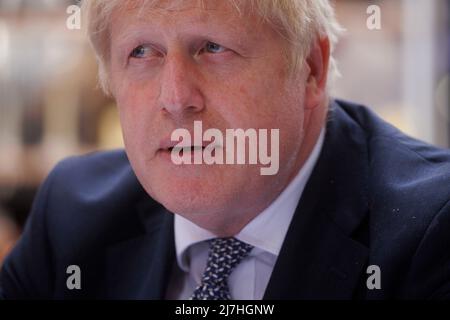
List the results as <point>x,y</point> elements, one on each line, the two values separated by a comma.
<point>51,107</point>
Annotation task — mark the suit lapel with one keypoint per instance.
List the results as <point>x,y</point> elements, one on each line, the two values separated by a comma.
<point>321,258</point>
<point>140,267</point>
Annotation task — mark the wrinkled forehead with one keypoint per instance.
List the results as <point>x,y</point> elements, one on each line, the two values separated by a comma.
<point>167,15</point>
<point>141,9</point>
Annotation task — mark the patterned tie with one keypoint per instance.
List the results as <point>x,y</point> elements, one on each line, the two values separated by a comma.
<point>224,255</point>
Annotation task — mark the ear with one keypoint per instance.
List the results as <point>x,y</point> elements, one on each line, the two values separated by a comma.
<point>316,81</point>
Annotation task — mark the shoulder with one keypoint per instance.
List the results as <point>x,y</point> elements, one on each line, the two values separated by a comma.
<point>86,204</point>
<point>408,201</point>
<point>401,167</point>
<point>89,201</point>
<point>408,187</point>
<point>84,168</point>
<point>95,179</point>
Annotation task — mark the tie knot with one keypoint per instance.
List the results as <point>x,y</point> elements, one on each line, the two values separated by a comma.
<point>224,255</point>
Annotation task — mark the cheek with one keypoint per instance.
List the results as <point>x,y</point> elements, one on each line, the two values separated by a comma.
<point>244,103</point>
<point>263,104</point>
<point>132,94</point>
<point>136,102</point>
<point>127,114</point>
<point>132,114</point>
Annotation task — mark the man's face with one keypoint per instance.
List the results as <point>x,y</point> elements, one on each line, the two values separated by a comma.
<point>170,68</point>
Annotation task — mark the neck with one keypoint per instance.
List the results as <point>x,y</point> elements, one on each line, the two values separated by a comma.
<point>314,122</point>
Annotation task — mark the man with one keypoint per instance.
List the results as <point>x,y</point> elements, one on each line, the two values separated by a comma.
<point>356,210</point>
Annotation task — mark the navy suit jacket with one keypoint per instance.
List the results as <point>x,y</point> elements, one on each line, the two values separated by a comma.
<point>375,197</point>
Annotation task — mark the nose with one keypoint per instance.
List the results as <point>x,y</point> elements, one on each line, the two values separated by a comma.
<point>180,94</point>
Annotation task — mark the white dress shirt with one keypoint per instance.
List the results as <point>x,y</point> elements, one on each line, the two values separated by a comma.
<point>266,232</point>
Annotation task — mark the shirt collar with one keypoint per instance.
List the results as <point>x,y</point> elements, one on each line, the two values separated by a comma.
<point>259,231</point>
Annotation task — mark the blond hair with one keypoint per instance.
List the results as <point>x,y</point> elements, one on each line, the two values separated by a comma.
<point>300,22</point>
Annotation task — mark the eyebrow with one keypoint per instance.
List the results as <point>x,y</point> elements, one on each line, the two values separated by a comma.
<point>141,31</point>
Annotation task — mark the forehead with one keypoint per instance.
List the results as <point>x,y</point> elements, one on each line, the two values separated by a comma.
<point>169,12</point>
<point>204,9</point>
<point>221,20</point>
<point>169,5</point>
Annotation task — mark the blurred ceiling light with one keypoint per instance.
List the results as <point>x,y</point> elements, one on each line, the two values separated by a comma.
<point>9,6</point>
<point>442,97</point>
<point>4,48</point>
<point>61,53</point>
<point>13,6</point>
<point>47,4</point>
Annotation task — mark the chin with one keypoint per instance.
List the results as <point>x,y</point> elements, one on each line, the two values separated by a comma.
<point>188,194</point>
<point>190,203</point>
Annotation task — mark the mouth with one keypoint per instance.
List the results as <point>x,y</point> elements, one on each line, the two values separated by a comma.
<point>188,149</point>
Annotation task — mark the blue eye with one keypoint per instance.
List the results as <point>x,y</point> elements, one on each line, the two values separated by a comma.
<point>212,47</point>
<point>140,52</point>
